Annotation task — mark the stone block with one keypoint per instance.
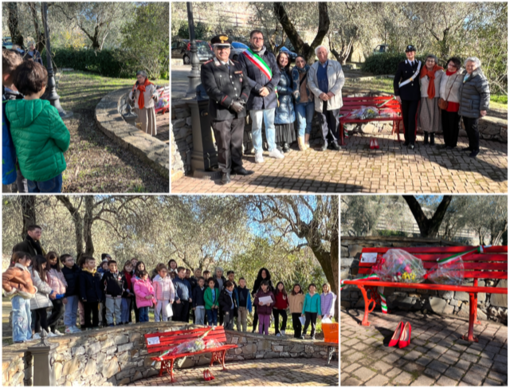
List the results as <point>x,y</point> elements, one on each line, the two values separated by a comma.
<point>121,339</point>
<point>437,304</point>
<point>447,295</point>
<point>462,296</point>
<point>500,300</point>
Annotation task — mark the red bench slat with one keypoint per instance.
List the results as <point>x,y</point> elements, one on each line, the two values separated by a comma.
<point>427,286</point>
<point>173,338</point>
<point>467,265</point>
<point>451,250</point>
<point>470,257</point>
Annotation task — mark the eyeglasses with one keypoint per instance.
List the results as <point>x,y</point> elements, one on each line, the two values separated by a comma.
<point>257,38</point>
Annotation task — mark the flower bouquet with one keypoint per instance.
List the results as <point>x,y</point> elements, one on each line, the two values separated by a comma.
<point>447,271</point>
<point>191,346</point>
<point>365,112</point>
<point>397,265</point>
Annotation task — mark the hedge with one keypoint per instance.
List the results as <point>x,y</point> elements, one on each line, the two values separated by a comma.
<point>386,63</point>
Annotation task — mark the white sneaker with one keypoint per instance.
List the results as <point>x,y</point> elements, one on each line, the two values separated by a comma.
<point>276,154</point>
<point>283,332</point>
<point>58,332</point>
<point>69,330</point>
<point>50,334</point>
<point>75,329</point>
<point>259,158</point>
<point>36,336</point>
<point>278,334</point>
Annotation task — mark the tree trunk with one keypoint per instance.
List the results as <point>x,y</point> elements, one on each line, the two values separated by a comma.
<point>78,223</point>
<point>307,50</point>
<point>13,23</point>
<point>87,225</point>
<point>429,227</point>
<point>27,212</point>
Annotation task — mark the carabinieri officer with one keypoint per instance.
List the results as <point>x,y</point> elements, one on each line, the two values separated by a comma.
<point>406,86</point>
<point>228,92</point>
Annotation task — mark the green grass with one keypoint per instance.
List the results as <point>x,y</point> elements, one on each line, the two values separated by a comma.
<point>80,90</point>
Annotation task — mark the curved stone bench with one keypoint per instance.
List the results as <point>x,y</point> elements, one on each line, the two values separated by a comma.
<point>149,149</point>
<point>118,356</point>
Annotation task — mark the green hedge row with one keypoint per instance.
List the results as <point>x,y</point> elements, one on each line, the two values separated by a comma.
<point>386,63</point>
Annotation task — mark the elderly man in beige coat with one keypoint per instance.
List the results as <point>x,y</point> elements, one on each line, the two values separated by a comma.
<point>325,80</point>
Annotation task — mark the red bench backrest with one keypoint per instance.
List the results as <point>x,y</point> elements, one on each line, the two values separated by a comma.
<point>492,264</point>
<point>169,339</point>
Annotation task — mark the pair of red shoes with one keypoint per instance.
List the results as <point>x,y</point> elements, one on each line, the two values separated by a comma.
<point>374,145</point>
<point>208,375</point>
<point>402,335</point>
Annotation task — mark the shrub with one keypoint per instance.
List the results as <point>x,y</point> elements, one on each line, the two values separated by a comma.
<point>386,63</point>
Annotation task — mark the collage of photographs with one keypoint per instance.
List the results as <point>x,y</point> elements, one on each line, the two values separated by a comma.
<point>218,193</point>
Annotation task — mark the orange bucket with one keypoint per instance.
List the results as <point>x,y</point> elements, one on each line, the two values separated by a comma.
<point>330,331</point>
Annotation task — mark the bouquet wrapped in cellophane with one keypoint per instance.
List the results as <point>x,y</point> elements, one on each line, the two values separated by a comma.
<point>447,271</point>
<point>397,265</point>
<point>191,346</point>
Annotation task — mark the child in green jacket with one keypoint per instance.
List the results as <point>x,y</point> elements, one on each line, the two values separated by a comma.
<point>311,309</point>
<point>38,133</point>
<point>211,296</point>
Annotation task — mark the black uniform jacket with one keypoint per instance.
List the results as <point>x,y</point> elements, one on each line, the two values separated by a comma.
<point>411,91</point>
<point>224,84</point>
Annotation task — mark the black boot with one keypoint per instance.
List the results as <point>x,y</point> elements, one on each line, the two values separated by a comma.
<point>225,178</point>
<point>431,139</point>
<point>285,147</point>
<point>425,138</point>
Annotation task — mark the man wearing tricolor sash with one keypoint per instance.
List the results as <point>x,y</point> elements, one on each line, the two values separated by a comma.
<point>263,75</point>
<point>406,86</point>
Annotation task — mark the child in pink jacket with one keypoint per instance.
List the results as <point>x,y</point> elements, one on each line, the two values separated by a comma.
<point>165,294</point>
<point>144,292</point>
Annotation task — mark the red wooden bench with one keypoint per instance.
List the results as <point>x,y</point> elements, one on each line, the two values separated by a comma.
<point>160,342</point>
<point>492,264</point>
<point>352,103</point>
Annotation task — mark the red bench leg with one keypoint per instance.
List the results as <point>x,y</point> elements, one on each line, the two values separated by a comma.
<point>341,126</point>
<point>223,360</point>
<point>472,317</point>
<point>367,305</point>
<point>172,370</point>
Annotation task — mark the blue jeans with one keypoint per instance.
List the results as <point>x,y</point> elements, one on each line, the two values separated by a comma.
<point>53,185</point>
<point>144,314</point>
<point>212,317</point>
<point>199,315</point>
<point>257,116</point>
<point>71,309</point>
<point>21,319</point>
<point>125,308</point>
<point>304,117</point>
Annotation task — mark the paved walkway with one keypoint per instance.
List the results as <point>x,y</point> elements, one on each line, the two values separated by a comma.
<point>436,356</point>
<point>391,169</point>
<point>273,372</point>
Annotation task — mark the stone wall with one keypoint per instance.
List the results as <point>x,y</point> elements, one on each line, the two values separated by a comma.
<point>118,355</point>
<point>149,149</point>
<point>490,306</point>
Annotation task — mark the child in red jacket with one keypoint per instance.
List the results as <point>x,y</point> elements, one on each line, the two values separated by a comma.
<point>280,308</point>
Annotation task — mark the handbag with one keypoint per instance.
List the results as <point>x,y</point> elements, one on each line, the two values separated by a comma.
<point>443,104</point>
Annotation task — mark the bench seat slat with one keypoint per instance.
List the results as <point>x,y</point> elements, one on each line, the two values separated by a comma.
<point>428,286</point>
<point>440,250</point>
<point>471,257</point>
<point>467,274</point>
<point>168,357</point>
<point>467,265</point>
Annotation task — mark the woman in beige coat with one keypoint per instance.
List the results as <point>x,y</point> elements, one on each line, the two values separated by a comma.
<point>144,96</point>
<point>429,116</point>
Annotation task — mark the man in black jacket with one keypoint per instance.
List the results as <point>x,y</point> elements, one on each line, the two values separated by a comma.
<point>31,244</point>
<point>228,91</point>
<point>71,273</point>
<point>114,288</point>
<point>406,86</point>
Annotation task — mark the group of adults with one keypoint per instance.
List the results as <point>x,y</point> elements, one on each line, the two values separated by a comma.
<point>278,98</point>
<point>274,95</point>
<point>435,100</point>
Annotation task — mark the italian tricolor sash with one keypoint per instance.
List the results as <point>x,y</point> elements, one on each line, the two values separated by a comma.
<point>451,259</point>
<point>259,62</point>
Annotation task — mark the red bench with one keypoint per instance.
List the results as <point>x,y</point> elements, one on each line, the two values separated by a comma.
<point>160,342</point>
<point>492,264</point>
<point>352,103</point>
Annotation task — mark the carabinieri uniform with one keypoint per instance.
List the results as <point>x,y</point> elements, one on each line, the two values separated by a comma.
<point>226,85</point>
<point>406,84</point>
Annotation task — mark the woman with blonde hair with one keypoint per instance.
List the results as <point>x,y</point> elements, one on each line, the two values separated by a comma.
<point>144,96</point>
<point>327,302</point>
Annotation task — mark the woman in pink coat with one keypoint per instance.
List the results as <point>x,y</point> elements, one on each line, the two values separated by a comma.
<point>144,293</point>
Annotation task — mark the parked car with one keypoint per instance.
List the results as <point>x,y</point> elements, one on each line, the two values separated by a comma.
<point>292,54</point>
<point>237,49</point>
<point>181,49</point>
<point>381,49</point>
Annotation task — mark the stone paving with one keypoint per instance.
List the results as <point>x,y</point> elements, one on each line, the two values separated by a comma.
<point>355,168</point>
<point>436,355</point>
<point>272,372</point>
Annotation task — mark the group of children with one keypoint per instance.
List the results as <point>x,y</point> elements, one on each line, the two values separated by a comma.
<point>85,293</point>
<point>34,137</point>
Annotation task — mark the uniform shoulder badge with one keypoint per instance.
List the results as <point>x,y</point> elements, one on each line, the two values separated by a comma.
<point>209,61</point>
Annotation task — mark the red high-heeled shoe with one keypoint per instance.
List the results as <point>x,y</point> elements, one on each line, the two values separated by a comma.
<point>372,144</point>
<point>376,144</point>
<point>396,336</point>
<point>405,338</point>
